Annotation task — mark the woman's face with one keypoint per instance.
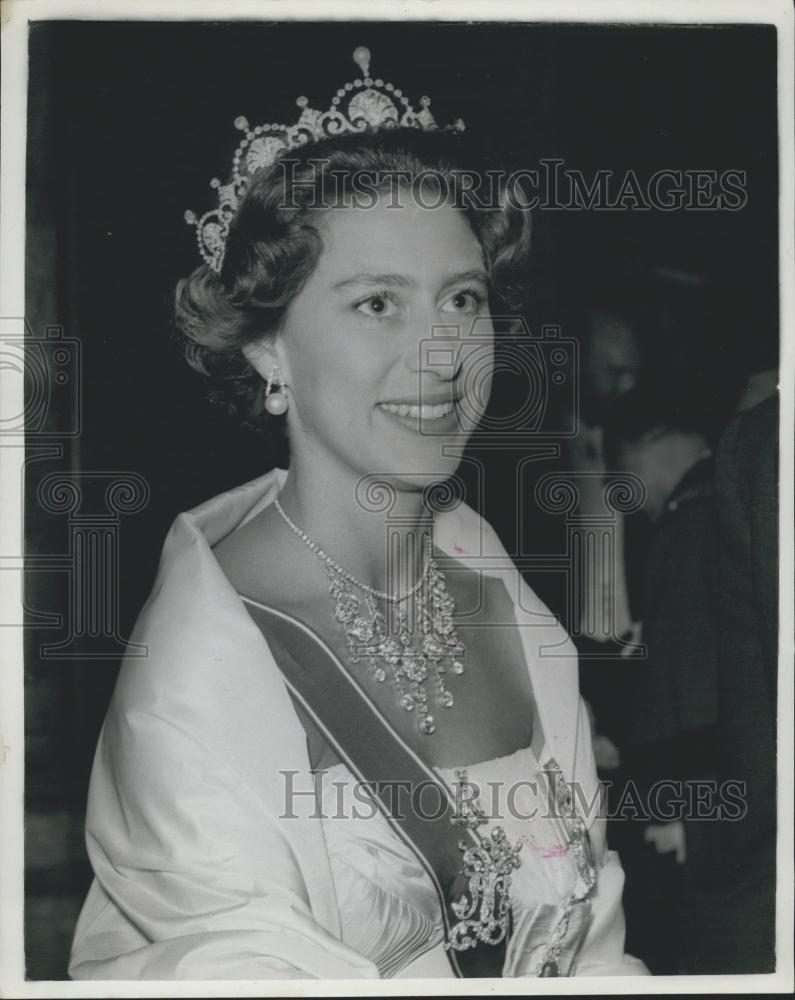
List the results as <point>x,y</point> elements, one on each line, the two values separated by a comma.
<point>387,350</point>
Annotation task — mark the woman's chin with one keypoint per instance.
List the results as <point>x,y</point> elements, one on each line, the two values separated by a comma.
<point>415,473</point>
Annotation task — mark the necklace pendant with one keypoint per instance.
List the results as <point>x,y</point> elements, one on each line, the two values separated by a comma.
<point>416,670</point>
<point>389,650</point>
<point>428,725</point>
<point>361,629</point>
<point>412,643</point>
<point>431,646</point>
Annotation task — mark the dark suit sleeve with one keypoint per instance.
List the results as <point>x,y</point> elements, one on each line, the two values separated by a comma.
<point>742,915</point>
<point>747,490</point>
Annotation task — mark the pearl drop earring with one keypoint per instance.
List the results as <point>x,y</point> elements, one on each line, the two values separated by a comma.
<point>275,401</point>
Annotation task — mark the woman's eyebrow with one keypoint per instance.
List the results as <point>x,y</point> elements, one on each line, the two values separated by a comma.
<point>478,274</point>
<point>366,278</point>
<point>401,280</point>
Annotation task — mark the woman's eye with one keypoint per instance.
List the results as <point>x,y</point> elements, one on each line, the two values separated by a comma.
<point>377,306</point>
<point>467,301</point>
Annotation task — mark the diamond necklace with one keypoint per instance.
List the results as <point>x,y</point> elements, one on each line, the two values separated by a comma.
<point>391,646</point>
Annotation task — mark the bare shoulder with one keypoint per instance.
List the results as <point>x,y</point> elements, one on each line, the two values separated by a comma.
<point>262,564</point>
<point>254,563</point>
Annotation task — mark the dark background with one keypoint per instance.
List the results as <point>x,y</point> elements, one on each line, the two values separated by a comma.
<point>127,124</point>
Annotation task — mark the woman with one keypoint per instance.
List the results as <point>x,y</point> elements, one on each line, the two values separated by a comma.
<point>319,627</point>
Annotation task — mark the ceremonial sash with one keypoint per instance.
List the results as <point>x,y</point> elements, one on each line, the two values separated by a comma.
<point>470,872</point>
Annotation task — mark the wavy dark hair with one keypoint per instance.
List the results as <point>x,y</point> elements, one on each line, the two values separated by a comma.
<point>274,244</point>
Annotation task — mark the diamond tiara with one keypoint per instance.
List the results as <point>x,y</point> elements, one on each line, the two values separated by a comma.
<point>361,104</point>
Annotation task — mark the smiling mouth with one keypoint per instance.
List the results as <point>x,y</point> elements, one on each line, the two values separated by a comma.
<point>425,419</point>
<point>422,412</point>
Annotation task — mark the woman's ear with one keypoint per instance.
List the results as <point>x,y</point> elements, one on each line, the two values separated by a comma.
<point>262,355</point>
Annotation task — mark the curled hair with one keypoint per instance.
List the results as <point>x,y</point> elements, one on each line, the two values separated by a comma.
<point>273,246</point>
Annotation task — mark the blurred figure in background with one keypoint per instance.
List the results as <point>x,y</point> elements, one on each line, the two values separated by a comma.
<point>610,360</point>
<point>610,334</point>
<point>664,364</point>
<point>672,707</point>
<point>760,384</point>
<point>738,905</point>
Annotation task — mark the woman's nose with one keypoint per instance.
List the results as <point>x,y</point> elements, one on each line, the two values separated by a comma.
<point>438,351</point>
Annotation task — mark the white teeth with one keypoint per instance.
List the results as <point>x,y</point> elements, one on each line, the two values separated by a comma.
<point>424,412</point>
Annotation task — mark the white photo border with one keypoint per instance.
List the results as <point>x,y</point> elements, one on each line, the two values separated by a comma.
<point>16,16</point>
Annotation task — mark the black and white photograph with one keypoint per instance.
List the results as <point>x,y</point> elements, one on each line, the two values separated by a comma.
<point>396,454</point>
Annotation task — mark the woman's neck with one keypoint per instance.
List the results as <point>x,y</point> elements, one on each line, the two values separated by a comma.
<point>374,529</point>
